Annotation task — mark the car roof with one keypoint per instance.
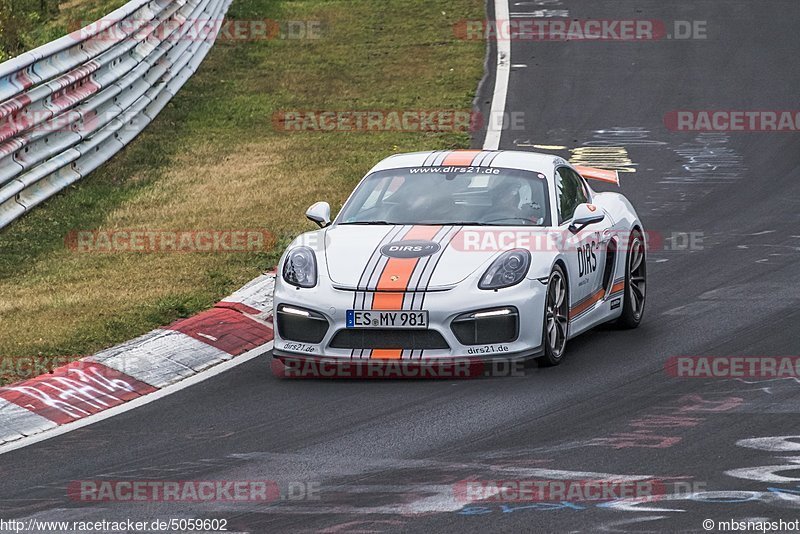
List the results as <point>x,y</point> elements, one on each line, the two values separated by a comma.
<point>508,159</point>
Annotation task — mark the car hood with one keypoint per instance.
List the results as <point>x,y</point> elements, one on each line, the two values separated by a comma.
<point>450,256</point>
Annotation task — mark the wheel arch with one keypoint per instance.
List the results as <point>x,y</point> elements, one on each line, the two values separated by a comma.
<point>561,263</point>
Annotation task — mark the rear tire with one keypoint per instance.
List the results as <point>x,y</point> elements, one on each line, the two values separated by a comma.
<point>633,303</point>
<point>555,329</point>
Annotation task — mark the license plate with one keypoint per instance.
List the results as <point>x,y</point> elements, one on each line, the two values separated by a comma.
<point>386,319</point>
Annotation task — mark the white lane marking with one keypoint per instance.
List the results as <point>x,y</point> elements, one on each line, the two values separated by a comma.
<point>549,147</point>
<point>772,443</point>
<point>140,401</point>
<point>541,14</point>
<point>769,473</point>
<point>495,126</point>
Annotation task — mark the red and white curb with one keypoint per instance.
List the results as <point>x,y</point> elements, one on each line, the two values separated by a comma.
<point>235,330</point>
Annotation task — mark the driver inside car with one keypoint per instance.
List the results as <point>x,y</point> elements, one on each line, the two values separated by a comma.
<point>513,205</point>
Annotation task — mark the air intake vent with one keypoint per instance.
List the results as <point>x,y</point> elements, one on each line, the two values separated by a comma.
<point>383,338</point>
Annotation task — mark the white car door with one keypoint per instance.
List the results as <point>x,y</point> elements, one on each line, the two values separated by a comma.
<point>585,250</point>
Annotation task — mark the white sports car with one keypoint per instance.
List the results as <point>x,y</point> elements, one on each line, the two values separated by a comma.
<point>454,254</point>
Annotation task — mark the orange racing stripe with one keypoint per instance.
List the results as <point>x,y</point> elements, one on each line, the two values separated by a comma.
<point>592,299</point>
<point>601,175</point>
<point>461,158</point>
<point>389,293</point>
<point>586,304</point>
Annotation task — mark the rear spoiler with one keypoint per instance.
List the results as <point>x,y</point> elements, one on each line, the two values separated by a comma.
<point>601,175</point>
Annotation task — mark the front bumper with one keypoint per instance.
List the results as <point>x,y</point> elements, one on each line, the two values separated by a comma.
<point>327,304</point>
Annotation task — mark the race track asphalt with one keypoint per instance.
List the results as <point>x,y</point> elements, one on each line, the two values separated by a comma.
<point>385,455</point>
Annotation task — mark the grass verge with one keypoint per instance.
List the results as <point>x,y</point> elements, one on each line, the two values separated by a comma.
<point>212,160</point>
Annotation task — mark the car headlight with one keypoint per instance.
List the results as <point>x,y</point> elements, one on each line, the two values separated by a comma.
<point>300,267</point>
<point>507,270</point>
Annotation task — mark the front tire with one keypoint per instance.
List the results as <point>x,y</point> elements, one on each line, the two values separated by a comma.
<point>556,319</point>
<point>635,283</point>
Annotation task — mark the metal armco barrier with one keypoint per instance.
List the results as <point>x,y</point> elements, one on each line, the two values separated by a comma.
<point>70,105</point>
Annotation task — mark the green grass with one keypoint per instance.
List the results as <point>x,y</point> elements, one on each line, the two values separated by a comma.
<point>213,161</point>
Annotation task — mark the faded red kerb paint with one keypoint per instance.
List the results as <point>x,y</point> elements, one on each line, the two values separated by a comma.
<point>226,328</point>
<point>647,431</point>
<point>84,388</point>
<point>75,391</point>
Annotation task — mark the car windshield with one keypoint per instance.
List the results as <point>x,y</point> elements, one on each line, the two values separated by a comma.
<point>450,195</point>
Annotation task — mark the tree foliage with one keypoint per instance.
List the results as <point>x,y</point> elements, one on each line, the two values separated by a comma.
<point>17,19</point>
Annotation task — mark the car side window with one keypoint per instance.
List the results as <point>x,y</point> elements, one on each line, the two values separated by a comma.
<point>569,193</point>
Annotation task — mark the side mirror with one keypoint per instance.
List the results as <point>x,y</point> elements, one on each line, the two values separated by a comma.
<point>585,214</point>
<point>320,213</point>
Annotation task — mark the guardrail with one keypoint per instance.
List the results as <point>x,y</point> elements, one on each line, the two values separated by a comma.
<point>70,105</point>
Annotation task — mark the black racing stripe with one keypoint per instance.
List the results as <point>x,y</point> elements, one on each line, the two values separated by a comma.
<point>422,267</point>
<point>456,230</point>
<point>388,237</point>
<point>425,277</point>
<point>491,160</point>
<point>449,239</point>
<point>416,276</point>
<point>373,257</point>
<point>485,155</point>
<point>439,160</point>
<point>430,158</point>
<point>379,258</point>
<point>377,269</point>
<point>480,158</point>
<point>440,157</point>
<point>449,236</point>
<point>370,287</point>
<point>373,260</point>
<point>420,271</point>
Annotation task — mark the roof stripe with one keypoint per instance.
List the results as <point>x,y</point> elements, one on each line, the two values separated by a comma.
<point>461,158</point>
